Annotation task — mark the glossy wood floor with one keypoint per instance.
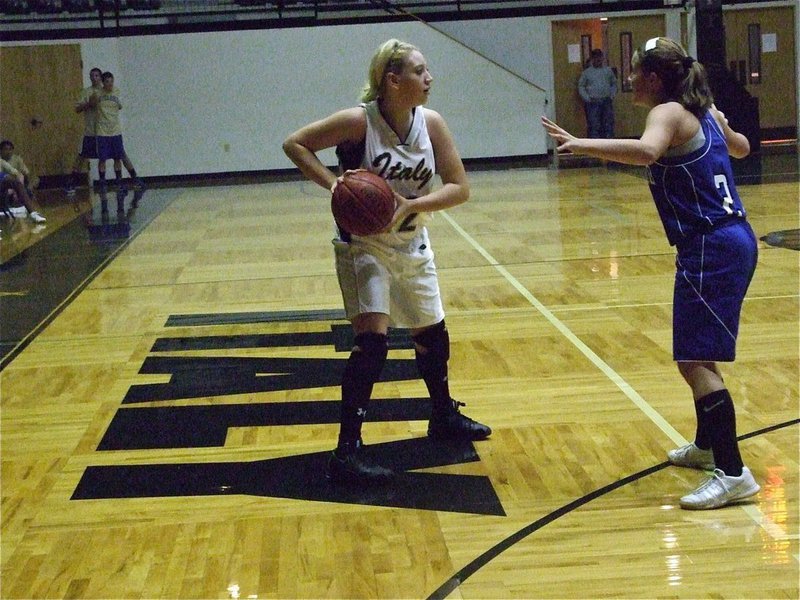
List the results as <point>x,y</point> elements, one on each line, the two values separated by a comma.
<point>164,435</point>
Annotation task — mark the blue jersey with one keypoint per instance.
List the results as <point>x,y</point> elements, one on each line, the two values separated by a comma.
<point>694,192</point>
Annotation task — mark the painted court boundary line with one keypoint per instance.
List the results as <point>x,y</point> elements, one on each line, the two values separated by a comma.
<point>604,367</point>
<point>752,511</point>
<point>444,590</point>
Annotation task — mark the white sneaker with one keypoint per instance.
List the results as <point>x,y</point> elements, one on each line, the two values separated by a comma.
<point>720,490</point>
<point>37,217</point>
<point>693,457</point>
<point>19,211</point>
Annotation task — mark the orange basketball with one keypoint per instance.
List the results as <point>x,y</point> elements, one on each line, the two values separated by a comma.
<point>362,203</point>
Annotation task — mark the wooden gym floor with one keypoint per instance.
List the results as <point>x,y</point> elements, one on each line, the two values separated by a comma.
<point>169,387</point>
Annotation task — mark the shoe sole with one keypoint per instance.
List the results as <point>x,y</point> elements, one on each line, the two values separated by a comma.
<point>457,436</point>
<point>699,467</point>
<point>355,480</point>
<point>749,493</point>
<point>690,465</point>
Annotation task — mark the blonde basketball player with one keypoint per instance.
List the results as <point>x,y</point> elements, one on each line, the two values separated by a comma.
<point>389,279</point>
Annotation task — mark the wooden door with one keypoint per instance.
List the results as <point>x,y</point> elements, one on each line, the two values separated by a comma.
<point>568,103</point>
<point>629,119</point>
<point>38,89</point>
<point>569,107</point>
<point>772,76</point>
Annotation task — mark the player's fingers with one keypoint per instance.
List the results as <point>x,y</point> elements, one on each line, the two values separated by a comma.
<point>401,210</point>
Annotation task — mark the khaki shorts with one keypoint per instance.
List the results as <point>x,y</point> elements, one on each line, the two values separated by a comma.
<point>397,279</point>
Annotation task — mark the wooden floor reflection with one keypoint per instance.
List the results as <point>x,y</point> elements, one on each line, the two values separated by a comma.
<point>163,435</point>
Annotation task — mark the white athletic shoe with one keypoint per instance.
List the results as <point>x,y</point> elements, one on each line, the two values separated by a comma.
<point>720,490</point>
<point>19,211</point>
<point>693,457</point>
<point>37,217</point>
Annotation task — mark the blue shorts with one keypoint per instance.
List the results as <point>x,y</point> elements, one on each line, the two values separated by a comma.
<point>89,147</point>
<point>110,147</point>
<point>713,272</point>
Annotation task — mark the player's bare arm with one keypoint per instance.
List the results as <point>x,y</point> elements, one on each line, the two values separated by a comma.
<point>89,104</point>
<point>455,185</point>
<point>738,144</point>
<point>643,151</point>
<point>302,145</point>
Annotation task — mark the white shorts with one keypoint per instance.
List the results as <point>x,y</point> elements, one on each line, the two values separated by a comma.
<point>397,279</point>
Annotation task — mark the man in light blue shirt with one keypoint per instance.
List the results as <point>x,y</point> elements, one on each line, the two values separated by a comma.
<point>597,87</point>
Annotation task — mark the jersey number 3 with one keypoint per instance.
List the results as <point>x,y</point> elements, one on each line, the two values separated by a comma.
<point>727,200</point>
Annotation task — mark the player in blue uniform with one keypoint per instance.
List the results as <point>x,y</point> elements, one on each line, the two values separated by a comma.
<point>389,279</point>
<point>686,146</point>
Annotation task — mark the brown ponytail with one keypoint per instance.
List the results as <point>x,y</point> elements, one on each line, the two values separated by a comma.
<point>684,79</point>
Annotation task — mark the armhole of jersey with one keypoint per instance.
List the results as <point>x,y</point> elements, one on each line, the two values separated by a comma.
<point>351,154</point>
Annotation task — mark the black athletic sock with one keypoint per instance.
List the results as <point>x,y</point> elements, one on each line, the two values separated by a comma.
<point>132,173</point>
<point>702,439</point>
<point>432,365</point>
<point>719,417</point>
<point>118,175</point>
<point>360,374</point>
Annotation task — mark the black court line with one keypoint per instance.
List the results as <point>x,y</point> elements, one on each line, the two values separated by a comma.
<point>481,561</point>
<point>242,318</point>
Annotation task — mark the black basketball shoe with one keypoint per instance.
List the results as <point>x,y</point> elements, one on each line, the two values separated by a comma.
<point>450,424</point>
<point>354,467</point>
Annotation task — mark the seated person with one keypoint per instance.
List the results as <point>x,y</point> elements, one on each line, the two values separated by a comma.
<point>13,179</point>
<point>15,160</point>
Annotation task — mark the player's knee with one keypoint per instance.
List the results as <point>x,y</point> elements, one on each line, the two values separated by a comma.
<point>369,354</point>
<point>433,341</point>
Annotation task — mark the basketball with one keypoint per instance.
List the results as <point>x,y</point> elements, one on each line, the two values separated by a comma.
<point>362,203</point>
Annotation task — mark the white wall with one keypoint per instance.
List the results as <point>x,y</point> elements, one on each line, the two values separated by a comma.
<point>188,96</point>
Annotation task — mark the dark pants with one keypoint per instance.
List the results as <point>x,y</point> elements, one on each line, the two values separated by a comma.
<point>600,118</point>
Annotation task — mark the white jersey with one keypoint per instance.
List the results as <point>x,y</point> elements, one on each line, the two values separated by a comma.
<point>392,273</point>
<point>408,165</point>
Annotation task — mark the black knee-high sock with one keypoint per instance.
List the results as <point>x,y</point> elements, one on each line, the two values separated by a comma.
<point>118,175</point>
<point>432,365</point>
<point>702,439</point>
<point>719,420</point>
<point>360,374</point>
<point>132,173</point>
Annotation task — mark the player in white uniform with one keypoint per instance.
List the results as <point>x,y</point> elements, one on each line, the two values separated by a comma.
<point>109,135</point>
<point>86,104</point>
<point>389,279</point>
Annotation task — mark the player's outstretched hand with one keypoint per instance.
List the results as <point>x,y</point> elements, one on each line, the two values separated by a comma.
<point>563,138</point>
